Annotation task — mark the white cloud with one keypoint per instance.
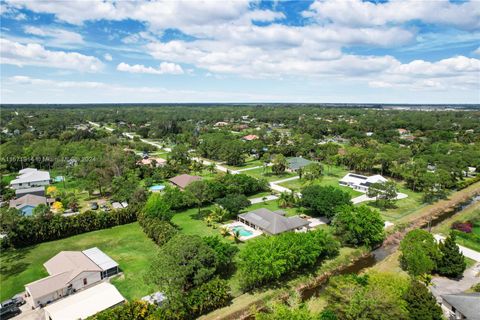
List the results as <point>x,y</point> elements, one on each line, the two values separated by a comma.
<point>19,54</point>
<point>107,57</point>
<point>363,13</point>
<point>164,68</point>
<point>59,36</point>
<point>477,51</point>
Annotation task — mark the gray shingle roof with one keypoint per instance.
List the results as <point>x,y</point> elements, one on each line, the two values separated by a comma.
<point>467,304</point>
<point>184,180</point>
<point>273,222</point>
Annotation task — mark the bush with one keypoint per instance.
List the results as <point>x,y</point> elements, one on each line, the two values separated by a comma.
<point>135,310</point>
<point>269,258</point>
<point>466,227</point>
<point>158,230</point>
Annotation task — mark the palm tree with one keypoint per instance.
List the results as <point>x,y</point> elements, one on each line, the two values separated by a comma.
<point>218,214</point>
<point>208,220</point>
<point>224,231</point>
<point>236,236</point>
<point>283,200</point>
<point>212,168</point>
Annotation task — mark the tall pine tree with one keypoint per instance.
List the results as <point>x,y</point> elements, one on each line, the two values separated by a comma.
<point>452,262</point>
<point>421,305</point>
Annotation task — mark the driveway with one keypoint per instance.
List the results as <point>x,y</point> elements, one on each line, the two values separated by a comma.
<point>29,314</point>
<point>469,253</point>
<point>441,285</point>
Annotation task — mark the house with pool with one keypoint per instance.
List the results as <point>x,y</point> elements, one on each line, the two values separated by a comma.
<point>262,220</point>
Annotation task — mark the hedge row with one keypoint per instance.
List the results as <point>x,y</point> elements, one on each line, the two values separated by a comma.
<point>27,231</point>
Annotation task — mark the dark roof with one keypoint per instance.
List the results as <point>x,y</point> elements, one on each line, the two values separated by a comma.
<point>467,304</point>
<point>184,180</point>
<point>273,222</point>
<point>295,163</point>
<point>30,190</point>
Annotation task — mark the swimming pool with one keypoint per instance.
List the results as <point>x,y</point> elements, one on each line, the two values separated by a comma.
<point>158,187</point>
<point>243,232</point>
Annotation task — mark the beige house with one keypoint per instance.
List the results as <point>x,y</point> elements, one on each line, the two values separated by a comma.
<point>69,271</point>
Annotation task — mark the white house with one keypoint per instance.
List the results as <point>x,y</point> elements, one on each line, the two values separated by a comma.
<point>29,178</point>
<point>360,182</point>
<point>461,306</point>
<point>70,271</point>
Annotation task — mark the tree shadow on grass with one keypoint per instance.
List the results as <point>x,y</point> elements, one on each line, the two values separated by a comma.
<point>12,262</point>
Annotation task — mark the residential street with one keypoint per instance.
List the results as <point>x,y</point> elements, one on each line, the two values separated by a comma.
<point>442,285</point>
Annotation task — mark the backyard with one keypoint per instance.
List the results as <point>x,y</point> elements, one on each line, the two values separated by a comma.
<point>126,244</point>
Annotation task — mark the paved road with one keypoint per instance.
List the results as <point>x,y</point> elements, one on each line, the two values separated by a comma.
<point>469,253</point>
<point>99,126</point>
<point>252,168</point>
<point>263,199</point>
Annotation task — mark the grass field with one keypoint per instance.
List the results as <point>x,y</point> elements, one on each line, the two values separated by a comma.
<point>331,177</point>
<point>403,207</point>
<point>269,176</point>
<point>250,163</point>
<point>472,212</point>
<point>126,244</point>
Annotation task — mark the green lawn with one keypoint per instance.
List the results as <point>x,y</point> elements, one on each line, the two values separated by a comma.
<point>331,177</point>
<point>259,174</point>
<point>403,207</point>
<point>473,212</point>
<point>273,206</point>
<point>250,163</point>
<point>126,244</point>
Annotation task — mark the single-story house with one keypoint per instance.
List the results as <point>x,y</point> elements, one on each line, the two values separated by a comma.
<point>119,205</point>
<point>221,124</point>
<point>159,162</point>
<point>38,191</point>
<point>27,203</point>
<point>296,163</point>
<point>29,178</point>
<point>70,271</point>
<point>360,182</point>
<point>272,222</point>
<point>462,306</point>
<point>403,131</point>
<point>250,137</point>
<point>85,303</point>
<point>184,180</point>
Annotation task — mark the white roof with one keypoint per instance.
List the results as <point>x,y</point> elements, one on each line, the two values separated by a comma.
<point>376,178</point>
<point>358,179</point>
<point>85,303</point>
<point>31,175</point>
<point>100,258</point>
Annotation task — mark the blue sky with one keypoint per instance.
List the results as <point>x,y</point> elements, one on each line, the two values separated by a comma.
<point>82,51</point>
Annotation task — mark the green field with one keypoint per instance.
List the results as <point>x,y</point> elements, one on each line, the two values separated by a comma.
<point>472,212</point>
<point>126,244</point>
<point>269,176</point>
<point>403,207</point>
<point>250,163</point>
<point>331,177</point>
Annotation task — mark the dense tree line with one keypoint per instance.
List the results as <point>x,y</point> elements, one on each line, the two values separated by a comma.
<point>268,259</point>
<point>422,255</point>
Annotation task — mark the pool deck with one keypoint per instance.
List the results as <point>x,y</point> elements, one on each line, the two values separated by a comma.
<point>255,233</point>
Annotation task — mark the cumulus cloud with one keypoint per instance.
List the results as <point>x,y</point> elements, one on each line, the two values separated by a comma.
<point>164,68</point>
<point>363,13</point>
<point>107,57</point>
<point>34,54</point>
<point>59,36</point>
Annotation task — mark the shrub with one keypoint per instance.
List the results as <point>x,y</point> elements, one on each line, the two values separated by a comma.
<point>466,226</point>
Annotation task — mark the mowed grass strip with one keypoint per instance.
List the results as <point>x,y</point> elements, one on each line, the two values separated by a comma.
<point>126,244</point>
